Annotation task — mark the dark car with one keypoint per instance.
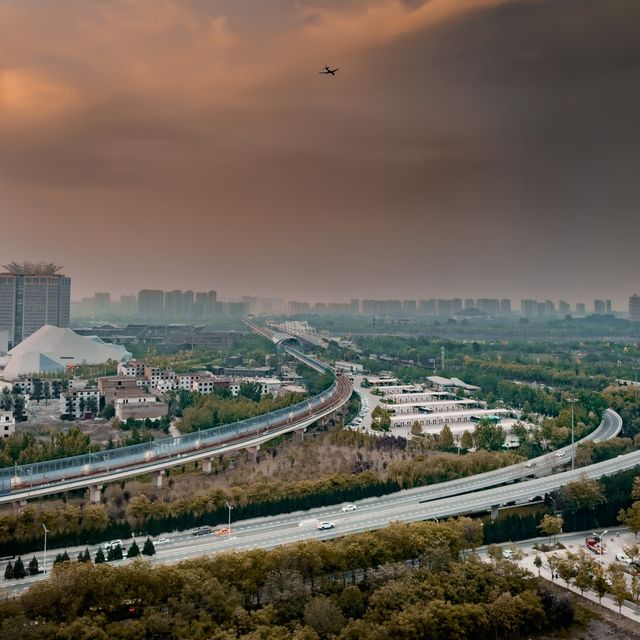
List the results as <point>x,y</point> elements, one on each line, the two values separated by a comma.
<point>202,531</point>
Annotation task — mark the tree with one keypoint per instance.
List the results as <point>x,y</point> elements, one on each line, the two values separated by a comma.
<point>37,390</point>
<point>584,494</point>
<point>466,441</point>
<point>47,392</point>
<point>84,556</point>
<point>148,548</point>
<point>251,390</point>
<point>133,550</point>
<point>114,553</point>
<point>61,557</point>
<point>82,403</point>
<point>92,406</point>
<point>99,556</point>
<point>381,419</point>
<point>618,585</point>
<point>19,571</point>
<point>33,567</point>
<point>584,572</point>
<point>323,616</point>
<point>8,571</point>
<point>551,526</point>
<point>108,412</point>
<point>537,563</point>
<point>445,440</point>
<point>18,407</point>
<point>6,401</point>
<point>488,436</point>
<point>416,429</point>
<point>631,518</point>
<point>599,583</point>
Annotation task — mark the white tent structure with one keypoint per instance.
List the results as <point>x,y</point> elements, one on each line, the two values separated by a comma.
<point>53,349</point>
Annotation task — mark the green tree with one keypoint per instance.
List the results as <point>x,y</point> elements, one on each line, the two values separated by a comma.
<point>323,616</point>
<point>445,440</point>
<point>251,390</point>
<point>92,406</point>
<point>114,553</point>
<point>33,567</point>
<point>99,556</point>
<point>108,412</point>
<point>416,429</point>
<point>551,526</point>
<point>8,571</point>
<point>631,518</point>
<point>82,403</point>
<point>37,390</point>
<point>46,392</point>
<point>488,436</point>
<point>618,585</point>
<point>148,548</point>
<point>381,419</point>
<point>133,550</point>
<point>537,563</point>
<point>584,494</point>
<point>19,571</point>
<point>466,441</point>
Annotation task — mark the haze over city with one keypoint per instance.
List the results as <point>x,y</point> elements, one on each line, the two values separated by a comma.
<point>463,148</point>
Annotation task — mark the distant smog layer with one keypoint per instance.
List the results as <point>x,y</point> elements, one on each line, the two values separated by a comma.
<point>463,148</point>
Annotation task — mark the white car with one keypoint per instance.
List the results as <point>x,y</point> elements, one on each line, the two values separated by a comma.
<point>158,541</point>
<point>113,544</point>
<point>348,507</point>
<point>326,525</point>
<point>623,557</point>
<point>560,454</point>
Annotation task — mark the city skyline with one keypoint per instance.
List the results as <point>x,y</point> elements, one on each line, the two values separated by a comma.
<point>464,145</point>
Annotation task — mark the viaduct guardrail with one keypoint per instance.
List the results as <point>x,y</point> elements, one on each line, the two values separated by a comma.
<point>53,476</point>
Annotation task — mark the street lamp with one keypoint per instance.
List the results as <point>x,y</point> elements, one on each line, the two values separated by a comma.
<point>554,502</point>
<point>229,507</point>
<point>573,452</point>
<point>44,555</point>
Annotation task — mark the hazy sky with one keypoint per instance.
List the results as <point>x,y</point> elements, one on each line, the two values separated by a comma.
<point>465,147</point>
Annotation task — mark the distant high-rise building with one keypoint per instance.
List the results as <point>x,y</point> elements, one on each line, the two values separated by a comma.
<point>32,295</point>
<point>609,306</point>
<point>564,308</point>
<point>102,304</point>
<point>581,309</point>
<point>599,307</point>
<point>409,306</point>
<point>490,306</point>
<point>469,303</point>
<point>151,304</point>
<point>550,309</point>
<point>456,305</point>
<point>541,310</point>
<point>428,307</point>
<point>128,305</point>
<point>445,308</point>
<point>529,308</point>
<point>634,308</point>
<point>505,307</point>
<point>355,305</point>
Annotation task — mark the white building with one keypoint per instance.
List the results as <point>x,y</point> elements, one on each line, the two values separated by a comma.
<point>267,385</point>
<point>426,420</point>
<point>7,424</point>
<point>133,368</point>
<point>450,384</point>
<point>434,407</point>
<point>143,407</point>
<point>74,402</point>
<point>53,350</point>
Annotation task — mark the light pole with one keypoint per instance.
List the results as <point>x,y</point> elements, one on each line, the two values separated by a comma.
<point>44,555</point>
<point>573,451</point>
<point>229,507</point>
<point>554,502</point>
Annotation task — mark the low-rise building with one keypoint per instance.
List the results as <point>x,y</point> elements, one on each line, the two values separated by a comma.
<point>142,407</point>
<point>7,424</point>
<point>80,403</point>
<point>112,387</point>
<point>433,407</point>
<point>155,375</point>
<point>450,384</point>
<point>427,420</point>
<point>133,368</point>
<point>267,385</point>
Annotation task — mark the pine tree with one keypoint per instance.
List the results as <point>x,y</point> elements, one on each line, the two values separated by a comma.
<point>87,555</point>
<point>33,567</point>
<point>8,572</point>
<point>19,571</point>
<point>148,549</point>
<point>99,556</point>
<point>134,550</point>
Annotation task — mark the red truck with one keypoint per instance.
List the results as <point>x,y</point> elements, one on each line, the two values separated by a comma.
<point>596,545</point>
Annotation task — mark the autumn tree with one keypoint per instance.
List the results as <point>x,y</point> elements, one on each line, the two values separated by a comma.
<point>583,494</point>
<point>488,436</point>
<point>445,439</point>
<point>551,526</point>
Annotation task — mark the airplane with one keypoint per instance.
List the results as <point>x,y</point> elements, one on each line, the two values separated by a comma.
<point>327,71</point>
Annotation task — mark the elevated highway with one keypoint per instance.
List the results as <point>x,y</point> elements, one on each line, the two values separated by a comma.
<point>92,470</point>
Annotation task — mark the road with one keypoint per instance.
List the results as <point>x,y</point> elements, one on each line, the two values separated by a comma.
<point>424,503</point>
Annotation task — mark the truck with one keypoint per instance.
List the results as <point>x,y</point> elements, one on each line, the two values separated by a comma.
<point>595,545</point>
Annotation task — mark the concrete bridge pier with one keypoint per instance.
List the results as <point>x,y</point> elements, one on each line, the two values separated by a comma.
<point>157,478</point>
<point>206,465</point>
<point>300,433</point>
<point>95,491</point>
<point>495,508</point>
<point>253,451</point>
<point>18,506</point>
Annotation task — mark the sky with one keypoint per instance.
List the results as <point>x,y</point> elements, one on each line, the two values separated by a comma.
<point>464,147</point>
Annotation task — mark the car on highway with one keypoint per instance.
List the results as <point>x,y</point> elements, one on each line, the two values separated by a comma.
<point>530,464</point>
<point>326,525</point>
<point>560,454</point>
<point>623,557</point>
<point>160,541</point>
<point>113,544</point>
<point>224,531</point>
<point>348,507</point>
<point>203,531</point>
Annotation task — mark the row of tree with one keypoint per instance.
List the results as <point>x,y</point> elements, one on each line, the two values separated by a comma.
<point>403,582</point>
